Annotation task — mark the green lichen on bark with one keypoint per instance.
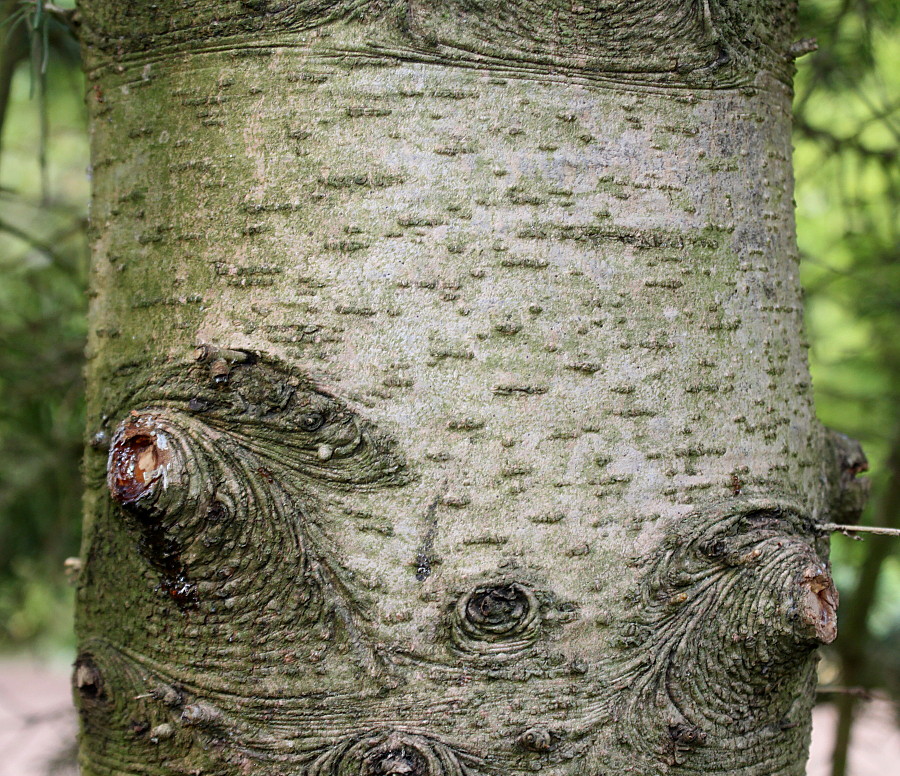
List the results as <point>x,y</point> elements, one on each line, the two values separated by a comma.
<point>498,453</point>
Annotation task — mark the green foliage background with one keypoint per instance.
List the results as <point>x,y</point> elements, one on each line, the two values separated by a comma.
<point>847,138</point>
<point>43,261</point>
<point>848,179</point>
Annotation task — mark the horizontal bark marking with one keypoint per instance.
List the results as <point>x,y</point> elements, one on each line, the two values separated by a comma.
<point>667,43</point>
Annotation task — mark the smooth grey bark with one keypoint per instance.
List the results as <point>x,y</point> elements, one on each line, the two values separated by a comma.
<point>449,408</point>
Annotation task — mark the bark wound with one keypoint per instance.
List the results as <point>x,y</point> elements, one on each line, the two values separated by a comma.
<point>139,458</point>
<point>142,464</point>
<point>87,679</point>
<point>819,604</point>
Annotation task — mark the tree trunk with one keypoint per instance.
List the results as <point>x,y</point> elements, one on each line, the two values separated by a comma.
<point>447,365</point>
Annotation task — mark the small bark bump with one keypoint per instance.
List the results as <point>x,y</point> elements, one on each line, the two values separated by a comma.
<point>169,696</point>
<point>802,47</point>
<point>537,739</point>
<point>849,492</point>
<point>687,735</point>
<point>219,370</point>
<point>161,733</point>
<point>200,715</point>
<point>99,441</point>
<point>399,762</point>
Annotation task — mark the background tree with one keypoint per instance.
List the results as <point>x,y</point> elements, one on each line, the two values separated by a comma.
<point>43,263</point>
<point>847,140</point>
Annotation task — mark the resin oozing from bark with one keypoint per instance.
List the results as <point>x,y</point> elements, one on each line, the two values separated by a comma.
<point>139,458</point>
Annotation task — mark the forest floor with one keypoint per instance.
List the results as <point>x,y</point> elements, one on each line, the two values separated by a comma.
<point>37,727</point>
